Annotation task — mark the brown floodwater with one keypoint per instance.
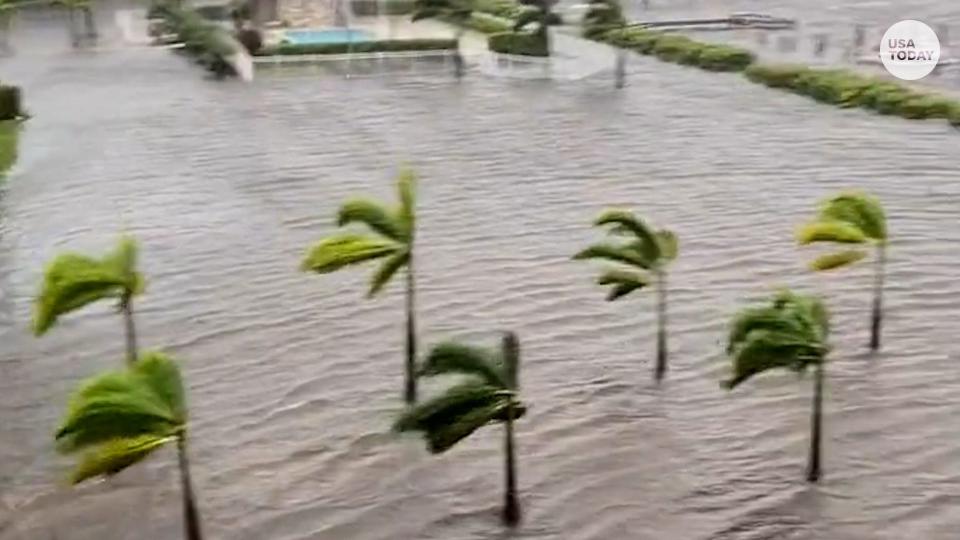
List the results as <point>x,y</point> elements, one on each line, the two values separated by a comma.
<point>294,378</point>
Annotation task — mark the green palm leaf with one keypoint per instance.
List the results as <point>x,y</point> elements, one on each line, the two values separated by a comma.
<point>72,281</point>
<point>406,187</point>
<point>526,17</point>
<point>372,215</point>
<point>615,253</point>
<point>147,399</point>
<point>790,332</point>
<point>346,249</point>
<point>624,282</point>
<point>830,231</point>
<point>444,436</point>
<point>837,260</point>
<point>626,221</point>
<point>387,270</point>
<point>858,209</point>
<point>454,358</point>
<point>669,244</point>
<point>113,456</point>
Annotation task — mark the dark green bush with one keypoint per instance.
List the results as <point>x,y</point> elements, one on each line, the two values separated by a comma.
<point>9,132</point>
<point>384,45</point>
<point>677,48</point>
<point>388,7</point>
<point>680,49</point>
<point>601,17</point>
<point>774,76</point>
<point>10,103</point>
<point>724,58</point>
<point>522,43</point>
<point>636,39</point>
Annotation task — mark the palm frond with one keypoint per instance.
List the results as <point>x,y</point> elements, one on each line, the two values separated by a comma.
<point>625,220</point>
<point>346,249</point>
<point>372,215</point>
<point>623,281</point>
<point>455,414</point>
<point>830,231</point>
<point>115,455</point>
<point>146,399</point>
<point>454,358</point>
<point>407,190</point>
<point>859,209</point>
<point>72,281</point>
<point>831,261</point>
<point>789,332</point>
<point>669,244</point>
<point>616,253</point>
<point>387,270</point>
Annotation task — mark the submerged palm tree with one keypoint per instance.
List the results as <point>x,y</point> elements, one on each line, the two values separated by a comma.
<point>488,395</point>
<point>789,333</point>
<point>71,281</point>
<point>456,12</point>
<point>118,419</point>
<point>647,253</point>
<point>392,241</point>
<point>852,218</point>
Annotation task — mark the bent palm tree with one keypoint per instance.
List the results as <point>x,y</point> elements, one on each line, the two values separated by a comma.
<point>71,281</point>
<point>852,218</point>
<point>646,253</point>
<point>488,395</point>
<point>117,419</point>
<point>392,241</point>
<point>456,12</point>
<point>789,333</point>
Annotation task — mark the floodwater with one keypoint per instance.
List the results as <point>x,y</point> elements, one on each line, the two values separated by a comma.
<point>294,378</point>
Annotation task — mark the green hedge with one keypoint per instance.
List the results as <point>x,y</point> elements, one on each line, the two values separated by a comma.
<point>9,133</point>
<point>384,45</point>
<point>522,43</point>
<point>506,9</point>
<point>10,108</point>
<point>850,89</point>
<point>680,49</point>
<point>387,7</point>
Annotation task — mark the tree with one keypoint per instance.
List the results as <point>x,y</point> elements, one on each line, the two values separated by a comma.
<point>791,332</point>
<point>457,12</point>
<point>391,240</point>
<point>117,419</point>
<point>852,218</point>
<point>542,15</point>
<point>601,17</point>
<point>71,281</point>
<point>646,253</point>
<point>72,6</point>
<point>489,394</point>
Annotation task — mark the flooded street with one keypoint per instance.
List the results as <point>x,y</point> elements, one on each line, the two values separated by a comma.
<point>294,379</point>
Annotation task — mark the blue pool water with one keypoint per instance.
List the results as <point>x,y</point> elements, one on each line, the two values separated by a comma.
<point>331,35</point>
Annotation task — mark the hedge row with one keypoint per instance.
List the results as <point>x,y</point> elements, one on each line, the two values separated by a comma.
<point>522,43</point>
<point>848,89</point>
<point>681,49</point>
<point>382,7</point>
<point>384,45</point>
<point>10,108</point>
<point>505,9</point>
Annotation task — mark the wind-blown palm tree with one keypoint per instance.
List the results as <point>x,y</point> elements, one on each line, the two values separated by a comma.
<point>646,253</point>
<point>789,333</point>
<point>391,241</point>
<point>457,12</point>
<point>541,13</point>
<point>117,419</point>
<point>852,218</point>
<point>490,394</point>
<point>71,281</point>
<point>72,6</point>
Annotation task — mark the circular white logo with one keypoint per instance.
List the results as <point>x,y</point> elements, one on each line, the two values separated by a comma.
<point>910,50</point>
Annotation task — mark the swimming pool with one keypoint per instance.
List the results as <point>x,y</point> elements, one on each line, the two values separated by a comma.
<point>328,35</point>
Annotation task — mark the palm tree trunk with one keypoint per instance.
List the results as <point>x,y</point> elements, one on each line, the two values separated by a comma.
<point>511,360</point>
<point>191,517</point>
<point>813,467</point>
<point>457,56</point>
<point>410,389</point>
<point>661,367</point>
<point>126,307</point>
<point>877,318</point>
<point>72,22</point>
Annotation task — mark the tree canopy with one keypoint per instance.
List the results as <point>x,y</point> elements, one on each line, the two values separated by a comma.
<point>848,218</point>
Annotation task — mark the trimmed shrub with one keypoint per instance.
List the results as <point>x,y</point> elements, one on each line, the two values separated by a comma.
<point>9,133</point>
<point>522,43</point>
<point>724,58</point>
<point>387,7</point>
<point>774,76</point>
<point>10,103</point>
<point>677,48</point>
<point>384,45</point>
<point>680,49</point>
<point>636,39</point>
<point>601,17</point>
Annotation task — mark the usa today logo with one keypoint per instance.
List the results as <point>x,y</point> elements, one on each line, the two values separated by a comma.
<point>910,50</point>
